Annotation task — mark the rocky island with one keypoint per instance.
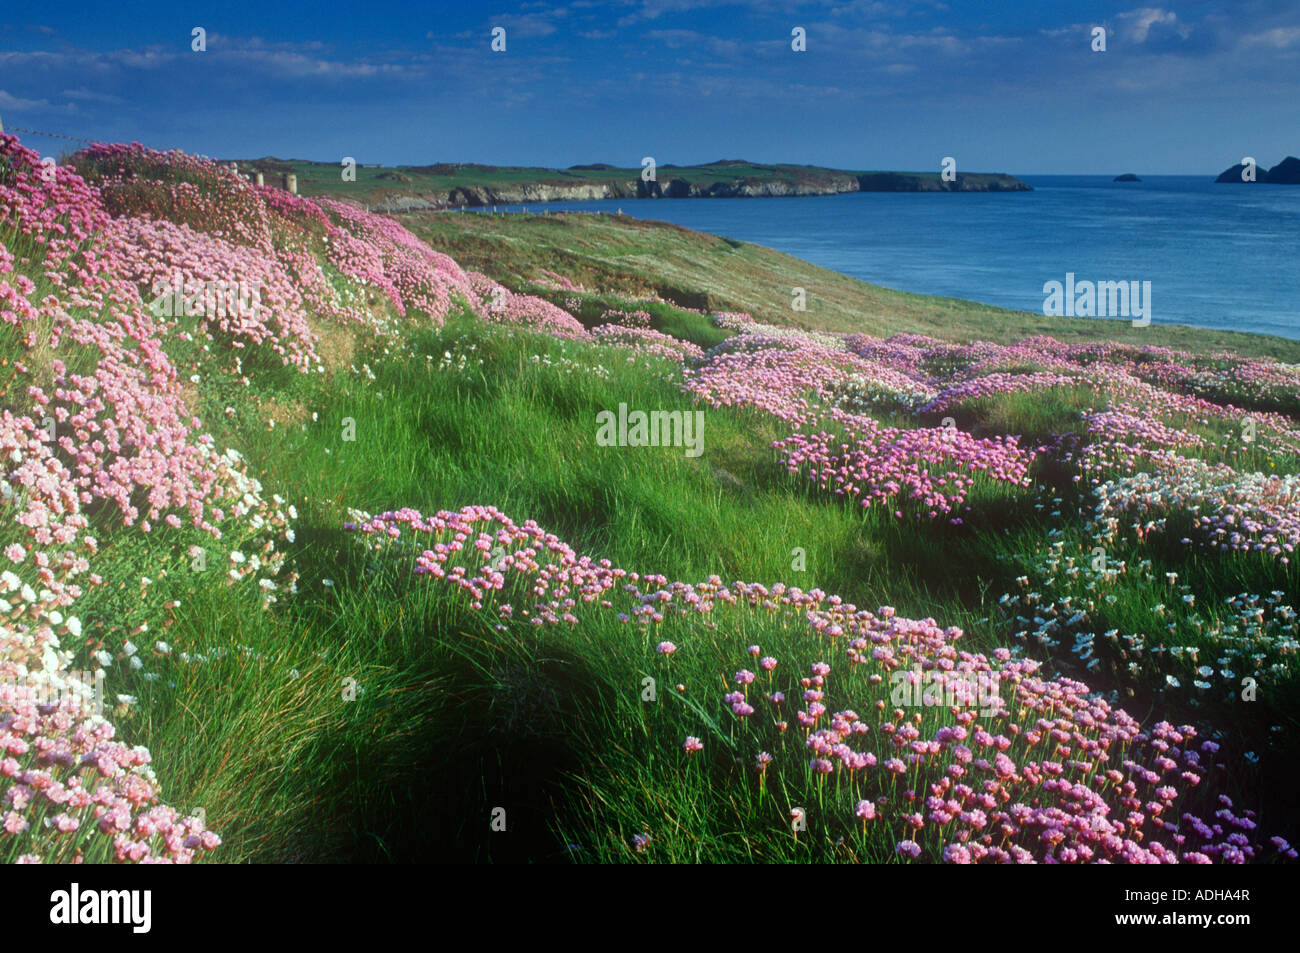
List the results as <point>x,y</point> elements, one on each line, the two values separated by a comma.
<point>1286,172</point>
<point>1126,177</point>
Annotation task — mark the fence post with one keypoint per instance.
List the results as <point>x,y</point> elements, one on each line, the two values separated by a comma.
<point>291,183</point>
<point>261,179</point>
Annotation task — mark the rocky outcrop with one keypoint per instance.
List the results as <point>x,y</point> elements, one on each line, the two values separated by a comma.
<point>476,196</point>
<point>680,188</point>
<point>1234,174</point>
<point>1286,172</point>
<point>759,188</point>
<point>1126,177</point>
<point>917,182</point>
<point>407,203</point>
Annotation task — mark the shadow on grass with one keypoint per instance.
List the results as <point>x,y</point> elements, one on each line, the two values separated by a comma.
<point>460,726</point>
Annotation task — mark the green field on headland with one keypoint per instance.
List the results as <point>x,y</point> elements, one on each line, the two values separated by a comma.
<point>442,185</point>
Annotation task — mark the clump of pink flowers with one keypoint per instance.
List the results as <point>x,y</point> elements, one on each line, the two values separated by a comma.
<point>1045,770</point>
<point>645,341</point>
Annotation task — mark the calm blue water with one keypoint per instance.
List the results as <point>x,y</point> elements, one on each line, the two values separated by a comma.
<point>1218,256</point>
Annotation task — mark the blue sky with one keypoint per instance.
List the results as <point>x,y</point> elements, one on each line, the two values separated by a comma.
<point>1008,86</point>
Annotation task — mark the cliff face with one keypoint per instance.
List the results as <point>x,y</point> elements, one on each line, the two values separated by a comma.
<point>679,188</point>
<point>910,182</point>
<point>760,188</point>
<point>540,192</point>
<point>477,196</point>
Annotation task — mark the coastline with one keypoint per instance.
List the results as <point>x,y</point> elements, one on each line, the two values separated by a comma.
<point>446,185</point>
<point>621,257</point>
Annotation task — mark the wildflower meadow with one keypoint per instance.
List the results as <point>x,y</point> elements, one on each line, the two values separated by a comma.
<point>309,551</point>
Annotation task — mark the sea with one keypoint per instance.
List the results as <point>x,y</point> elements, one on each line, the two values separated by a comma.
<point>1222,256</point>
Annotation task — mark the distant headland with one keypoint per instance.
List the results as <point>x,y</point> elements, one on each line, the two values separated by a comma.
<point>452,185</point>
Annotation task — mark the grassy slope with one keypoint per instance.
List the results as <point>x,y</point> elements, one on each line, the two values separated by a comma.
<point>456,719</point>
<point>628,256</point>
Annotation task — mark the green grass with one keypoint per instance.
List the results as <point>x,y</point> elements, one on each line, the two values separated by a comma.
<point>454,718</point>
<point>374,717</point>
<point>623,256</point>
<point>269,756</point>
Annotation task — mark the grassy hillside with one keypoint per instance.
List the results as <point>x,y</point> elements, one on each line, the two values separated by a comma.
<point>631,258</point>
<point>336,517</point>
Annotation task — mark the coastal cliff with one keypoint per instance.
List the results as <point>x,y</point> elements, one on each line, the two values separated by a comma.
<point>447,185</point>
<point>478,196</point>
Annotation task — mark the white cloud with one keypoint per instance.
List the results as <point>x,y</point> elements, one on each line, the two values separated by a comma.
<point>1139,22</point>
<point>1279,38</point>
<point>8,101</point>
<point>89,95</point>
<point>677,39</point>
